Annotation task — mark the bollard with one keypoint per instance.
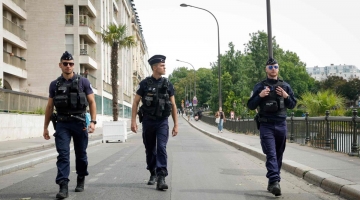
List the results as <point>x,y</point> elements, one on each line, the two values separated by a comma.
<point>354,146</point>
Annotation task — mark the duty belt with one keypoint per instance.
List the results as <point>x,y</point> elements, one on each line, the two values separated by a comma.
<point>268,120</point>
<point>65,117</point>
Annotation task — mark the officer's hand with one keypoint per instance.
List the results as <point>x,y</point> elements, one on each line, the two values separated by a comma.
<point>91,128</point>
<point>281,92</point>
<point>175,131</point>
<point>46,134</point>
<point>265,92</point>
<point>133,127</point>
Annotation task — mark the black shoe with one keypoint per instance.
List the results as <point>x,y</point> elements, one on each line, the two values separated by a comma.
<point>152,178</point>
<point>274,188</point>
<point>80,184</point>
<point>63,192</point>
<point>161,185</point>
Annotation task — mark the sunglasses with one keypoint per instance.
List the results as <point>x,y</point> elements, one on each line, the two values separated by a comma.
<point>271,67</point>
<point>66,64</point>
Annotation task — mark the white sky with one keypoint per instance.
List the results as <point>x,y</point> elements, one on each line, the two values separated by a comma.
<point>321,32</point>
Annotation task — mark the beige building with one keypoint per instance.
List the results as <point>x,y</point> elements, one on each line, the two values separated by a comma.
<point>36,34</point>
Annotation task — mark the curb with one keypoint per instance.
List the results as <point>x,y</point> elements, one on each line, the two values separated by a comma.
<point>328,182</point>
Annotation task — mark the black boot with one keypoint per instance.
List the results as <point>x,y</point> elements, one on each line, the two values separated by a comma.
<point>161,185</point>
<point>274,188</point>
<point>63,192</point>
<point>152,178</point>
<point>80,184</point>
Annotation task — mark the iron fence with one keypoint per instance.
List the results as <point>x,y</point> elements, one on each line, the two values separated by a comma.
<point>334,133</point>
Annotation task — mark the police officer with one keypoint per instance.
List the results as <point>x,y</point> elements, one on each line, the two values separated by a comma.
<point>158,102</point>
<point>273,97</point>
<point>70,94</point>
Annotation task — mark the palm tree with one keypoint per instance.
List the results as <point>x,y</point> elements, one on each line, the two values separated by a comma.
<point>317,104</point>
<point>116,37</point>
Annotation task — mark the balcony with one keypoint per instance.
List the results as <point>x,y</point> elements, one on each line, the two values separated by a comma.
<point>20,3</point>
<point>86,49</point>
<point>85,20</point>
<point>90,6</point>
<point>69,19</point>
<point>14,60</point>
<point>87,28</point>
<point>91,78</point>
<point>14,28</point>
<point>107,87</point>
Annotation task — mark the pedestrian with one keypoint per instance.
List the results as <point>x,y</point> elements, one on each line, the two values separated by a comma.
<point>86,73</point>
<point>70,94</point>
<point>158,102</point>
<point>220,114</point>
<point>273,96</point>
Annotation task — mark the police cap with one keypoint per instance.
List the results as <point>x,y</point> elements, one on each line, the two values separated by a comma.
<point>157,59</point>
<point>271,61</point>
<point>66,56</point>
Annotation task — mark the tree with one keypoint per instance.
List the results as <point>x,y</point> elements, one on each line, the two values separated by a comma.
<point>350,90</point>
<point>116,37</point>
<point>317,104</point>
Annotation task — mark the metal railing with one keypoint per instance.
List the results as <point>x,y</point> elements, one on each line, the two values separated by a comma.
<point>107,87</point>
<point>11,101</point>
<point>14,60</point>
<point>14,28</point>
<point>334,133</point>
<point>86,49</point>
<point>69,19</point>
<point>20,3</point>
<point>85,20</point>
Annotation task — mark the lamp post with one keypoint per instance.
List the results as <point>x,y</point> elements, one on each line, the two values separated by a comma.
<point>194,73</point>
<point>186,5</point>
<point>268,8</point>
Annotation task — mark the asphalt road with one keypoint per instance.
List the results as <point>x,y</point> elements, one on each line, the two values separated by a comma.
<point>199,168</point>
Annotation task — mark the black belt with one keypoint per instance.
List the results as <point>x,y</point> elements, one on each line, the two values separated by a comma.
<point>68,117</point>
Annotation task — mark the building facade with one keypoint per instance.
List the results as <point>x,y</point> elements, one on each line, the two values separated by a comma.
<point>322,73</point>
<point>36,34</point>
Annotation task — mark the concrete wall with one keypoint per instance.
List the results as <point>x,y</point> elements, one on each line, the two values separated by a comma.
<point>18,126</point>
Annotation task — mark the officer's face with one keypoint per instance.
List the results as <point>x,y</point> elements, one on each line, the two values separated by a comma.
<point>159,68</point>
<point>67,66</point>
<point>272,71</point>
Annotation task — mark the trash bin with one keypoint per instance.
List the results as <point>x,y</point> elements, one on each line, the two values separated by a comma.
<point>114,131</point>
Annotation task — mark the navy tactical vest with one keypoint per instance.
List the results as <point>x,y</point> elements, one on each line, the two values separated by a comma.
<point>273,103</point>
<point>68,99</point>
<point>156,101</point>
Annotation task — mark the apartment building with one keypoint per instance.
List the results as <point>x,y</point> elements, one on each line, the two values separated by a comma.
<point>346,71</point>
<point>36,33</point>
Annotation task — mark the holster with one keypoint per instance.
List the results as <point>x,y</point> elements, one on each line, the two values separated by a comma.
<point>257,120</point>
<point>53,119</point>
<point>141,115</point>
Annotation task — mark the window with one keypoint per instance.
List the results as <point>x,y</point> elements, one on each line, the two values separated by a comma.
<point>69,43</point>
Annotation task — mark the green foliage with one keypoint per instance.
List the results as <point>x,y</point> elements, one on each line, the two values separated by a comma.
<point>317,104</point>
<point>0,82</point>
<point>116,37</point>
<point>39,111</point>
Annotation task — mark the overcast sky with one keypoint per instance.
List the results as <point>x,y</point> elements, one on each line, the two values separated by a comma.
<point>321,32</point>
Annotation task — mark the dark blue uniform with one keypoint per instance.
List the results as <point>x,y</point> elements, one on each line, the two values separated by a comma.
<point>273,129</point>
<point>67,129</point>
<point>155,133</point>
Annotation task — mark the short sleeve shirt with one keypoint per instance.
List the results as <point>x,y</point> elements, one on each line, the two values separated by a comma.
<point>84,85</point>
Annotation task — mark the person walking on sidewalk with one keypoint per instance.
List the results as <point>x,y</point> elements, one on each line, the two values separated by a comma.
<point>158,102</point>
<point>70,94</point>
<point>222,120</point>
<point>273,97</point>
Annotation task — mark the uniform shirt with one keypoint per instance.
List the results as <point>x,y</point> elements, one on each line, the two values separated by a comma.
<point>255,99</point>
<point>141,89</point>
<point>84,85</point>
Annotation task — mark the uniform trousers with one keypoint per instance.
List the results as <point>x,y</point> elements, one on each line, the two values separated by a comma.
<point>155,137</point>
<point>64,132</point>
<point>273,142</point>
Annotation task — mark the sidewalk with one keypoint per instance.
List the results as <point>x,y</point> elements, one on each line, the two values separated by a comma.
<point>335,172</point>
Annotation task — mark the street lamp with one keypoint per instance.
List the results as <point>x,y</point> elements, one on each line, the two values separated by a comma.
<point>194,73</point>
<point>185,5</point>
